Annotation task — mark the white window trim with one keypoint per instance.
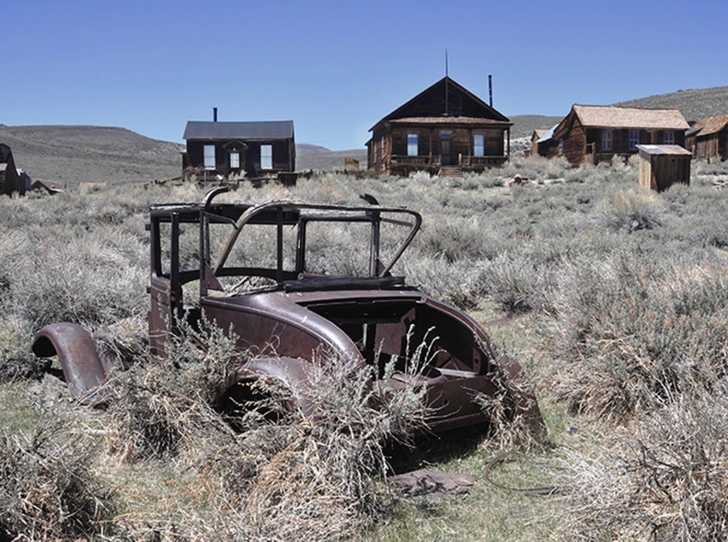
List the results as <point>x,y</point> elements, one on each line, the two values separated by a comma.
<point>209,156</point>
<point>234,160</point>
<point>266,159</point>
<point>480,147</point>
<point>413,146</point>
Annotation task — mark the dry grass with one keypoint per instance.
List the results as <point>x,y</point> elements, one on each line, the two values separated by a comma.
<point>665,481</point>
<point>624,334</point>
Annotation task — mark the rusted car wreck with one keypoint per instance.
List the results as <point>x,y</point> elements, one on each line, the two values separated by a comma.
<point>252,269</point>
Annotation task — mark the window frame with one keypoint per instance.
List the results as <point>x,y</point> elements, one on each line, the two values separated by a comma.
<point>413,144</point>
<point>669,138</point>
<point>606,140</point>
<point>266,159</point>
<point>477,146</point>
<point>634,139</point>
<point>234,160</point>
<point>208,158</point>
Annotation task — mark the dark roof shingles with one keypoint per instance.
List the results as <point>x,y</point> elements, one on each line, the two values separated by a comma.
<point>279,129</point>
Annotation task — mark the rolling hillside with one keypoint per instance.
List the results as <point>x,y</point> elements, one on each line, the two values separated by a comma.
<point>70,155</point>
<point>694,104</point>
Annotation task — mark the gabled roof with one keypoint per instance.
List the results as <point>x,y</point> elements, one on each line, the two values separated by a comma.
<point>708,126</point>
<point>450,99</point>
<point>627,117</point>
<point>279,129</point>
<point>609,116</point>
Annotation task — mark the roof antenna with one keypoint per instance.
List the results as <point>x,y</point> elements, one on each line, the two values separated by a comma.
<point>446,86</point>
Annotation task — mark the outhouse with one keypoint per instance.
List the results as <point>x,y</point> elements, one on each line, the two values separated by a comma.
<point>661,166</point>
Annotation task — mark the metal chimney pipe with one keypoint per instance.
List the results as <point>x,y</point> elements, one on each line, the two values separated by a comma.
<point>490,89</point>
<point>214,114</point>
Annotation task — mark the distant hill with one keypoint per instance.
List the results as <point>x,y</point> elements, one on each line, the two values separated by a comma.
<point>70,155</point>
<point>524,125</point>
<point>694,104</point>
<point>315,157</point>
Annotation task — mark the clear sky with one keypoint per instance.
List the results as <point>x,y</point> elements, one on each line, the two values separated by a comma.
<point>336,67</point>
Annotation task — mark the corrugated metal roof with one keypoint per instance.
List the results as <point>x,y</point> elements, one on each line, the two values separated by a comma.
<point>548,134</point>
<point>599,116</point>
<point>708,126</point>
<point>276,129</point>
<point>676,150</point>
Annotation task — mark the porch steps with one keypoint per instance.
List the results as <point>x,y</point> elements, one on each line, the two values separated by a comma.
<point>451,171</point>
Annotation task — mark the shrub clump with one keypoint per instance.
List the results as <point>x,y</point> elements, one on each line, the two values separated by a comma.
<point>47,487</point>
<point>667,481</point>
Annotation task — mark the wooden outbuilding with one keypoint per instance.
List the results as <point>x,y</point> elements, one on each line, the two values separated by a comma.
<point>661,166</point>
<point>231,150</point>
<point>10,180</point>
<point>708,138</point>
<point>537,134</point>
<point>444,127</point>
<point>593,134</point>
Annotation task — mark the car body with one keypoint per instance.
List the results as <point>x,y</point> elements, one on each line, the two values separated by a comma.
<point>206,263</point>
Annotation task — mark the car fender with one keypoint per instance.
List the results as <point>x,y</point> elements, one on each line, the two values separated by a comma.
<point>291,372</point>
<point>83,369</point>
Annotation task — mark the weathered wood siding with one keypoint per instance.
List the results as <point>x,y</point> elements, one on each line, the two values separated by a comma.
<point>710,146</point>
<point>574,144</point>
<point>660,172</point>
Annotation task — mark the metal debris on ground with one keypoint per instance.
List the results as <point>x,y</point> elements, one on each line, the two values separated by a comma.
<point>432,484</point>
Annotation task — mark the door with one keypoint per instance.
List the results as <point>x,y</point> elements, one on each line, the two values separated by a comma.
<point>445,149</point>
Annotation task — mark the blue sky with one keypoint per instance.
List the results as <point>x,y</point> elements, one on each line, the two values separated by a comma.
<point>337,67</point>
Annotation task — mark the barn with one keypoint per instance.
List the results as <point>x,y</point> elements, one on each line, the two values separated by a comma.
<point>445,129</point>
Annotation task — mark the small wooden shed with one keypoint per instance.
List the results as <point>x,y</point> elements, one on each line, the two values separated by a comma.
<point>10,180</point>
<point>661,166</point>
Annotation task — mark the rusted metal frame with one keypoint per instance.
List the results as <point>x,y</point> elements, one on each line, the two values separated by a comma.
<point>374,243</point>
<point>250,213</point>
<point>279,250</point>
<point>174,279</point>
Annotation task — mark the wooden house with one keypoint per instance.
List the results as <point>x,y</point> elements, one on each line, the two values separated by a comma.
<point>443,127</point>
<point>708,138</point>
<point>593,134</point>
<point>10,180</point>
<point>230,150</point>
<point>661,166</point>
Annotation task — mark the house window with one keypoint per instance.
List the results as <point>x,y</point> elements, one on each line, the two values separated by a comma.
<point>413,148</point>
<point>209,156</point>
<point>606,140</point>
<point>669,138</point>
<point>266,157</point>
<point>634,139</point>
<point>478,145</point>
<point>561,146</point>
<point>234,160</point>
